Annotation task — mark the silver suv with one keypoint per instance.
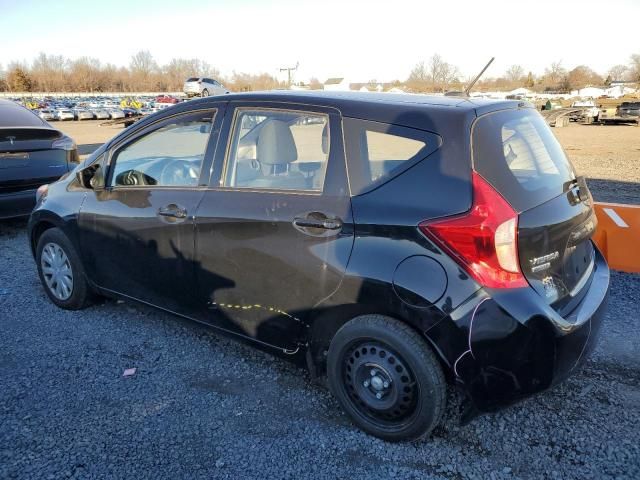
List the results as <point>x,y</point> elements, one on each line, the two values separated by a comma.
<point>203,87</point>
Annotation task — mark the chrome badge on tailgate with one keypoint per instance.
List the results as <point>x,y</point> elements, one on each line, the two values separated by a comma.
<point>539,264</point>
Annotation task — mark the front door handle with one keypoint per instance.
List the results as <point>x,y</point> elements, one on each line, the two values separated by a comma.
<point>173,211</point>
<point>317,220</point>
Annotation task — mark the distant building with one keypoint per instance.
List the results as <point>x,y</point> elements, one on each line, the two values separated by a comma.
<point>336,84</point>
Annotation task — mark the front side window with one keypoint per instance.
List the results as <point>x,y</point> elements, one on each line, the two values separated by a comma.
<point>170,156</point>
<point>278,149</point>
<point>378,151</point>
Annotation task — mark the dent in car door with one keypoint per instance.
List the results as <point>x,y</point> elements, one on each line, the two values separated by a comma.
<point>281,251</point>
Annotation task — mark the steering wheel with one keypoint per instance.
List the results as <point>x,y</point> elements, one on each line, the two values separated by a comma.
<point>179,172</point>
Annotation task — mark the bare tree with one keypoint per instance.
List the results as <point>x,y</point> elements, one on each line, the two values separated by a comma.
<point>554,73</point>
<point>515,73</point>
<point>582,76</point>
<point>18,78</point>
<point>618,72</point>
<point>418,78</point>
<point>530,81</point>
<point>315,84</point>
<point>635,67</point>
<point>142,66</point>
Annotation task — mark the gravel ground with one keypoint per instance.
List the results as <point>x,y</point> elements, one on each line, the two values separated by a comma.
<point>203,406</point>
<point>608,156</point>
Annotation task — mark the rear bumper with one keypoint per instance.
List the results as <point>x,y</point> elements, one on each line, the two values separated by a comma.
<point>511,344</point>
<point>18,204</point>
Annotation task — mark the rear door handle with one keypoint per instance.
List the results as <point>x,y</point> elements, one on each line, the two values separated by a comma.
<point>173,211</point>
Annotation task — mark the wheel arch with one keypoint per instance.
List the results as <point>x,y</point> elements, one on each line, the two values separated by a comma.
<point>324,325</point>
<point>38,228</point>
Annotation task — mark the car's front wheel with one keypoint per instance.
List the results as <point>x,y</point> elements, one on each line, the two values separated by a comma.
<point>205,93</point>
<point>61,271</point>
<point>386,378</point>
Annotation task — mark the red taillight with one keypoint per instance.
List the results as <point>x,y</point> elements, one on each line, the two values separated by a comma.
<point>484,240</point>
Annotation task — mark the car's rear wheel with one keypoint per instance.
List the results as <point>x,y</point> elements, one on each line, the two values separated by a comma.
<point>205,93</point>
<point>386,378</point>
<point>61,271</point>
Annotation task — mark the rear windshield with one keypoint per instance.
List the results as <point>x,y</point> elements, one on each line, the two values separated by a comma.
<point>518,154</point>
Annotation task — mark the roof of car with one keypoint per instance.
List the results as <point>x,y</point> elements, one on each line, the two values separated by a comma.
<point>352,96</point>
<point>341,99</point>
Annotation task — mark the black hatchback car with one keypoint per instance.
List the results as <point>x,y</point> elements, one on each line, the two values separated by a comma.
<point>392,243</point>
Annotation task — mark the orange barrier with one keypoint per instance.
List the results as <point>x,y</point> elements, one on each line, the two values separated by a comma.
<point>618,235</point>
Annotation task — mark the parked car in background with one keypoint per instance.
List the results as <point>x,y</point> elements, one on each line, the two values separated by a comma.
<point>82,114</point>
<point>101,114</point>
<point>64,114</point>
<point>589,112</point>
<point>47,115</point>
<point>32,153</point>
<point>401,247</point>
<point>629,109</point>
<point>115,113</point>
<point>203,87</point>
<point>167,99</point>
<point>130,112</point>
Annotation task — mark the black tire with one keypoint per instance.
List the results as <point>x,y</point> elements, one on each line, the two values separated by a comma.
<point>413,396</point>
<point>80,294</point>
<point>205,93</point>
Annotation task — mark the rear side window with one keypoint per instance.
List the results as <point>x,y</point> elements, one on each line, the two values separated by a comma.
<point>376,151</point>
<point>278,149</point>
<point>518,154</point>
<point>193,79</point>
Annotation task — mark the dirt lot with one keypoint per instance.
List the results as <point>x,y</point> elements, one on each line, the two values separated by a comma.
<point>609,156</point>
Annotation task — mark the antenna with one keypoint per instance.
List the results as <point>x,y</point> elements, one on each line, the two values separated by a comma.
<point>473,82</point>
<point>289,70</point>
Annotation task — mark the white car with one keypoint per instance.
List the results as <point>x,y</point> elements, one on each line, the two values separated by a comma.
<point>47,115</point>
<point>82,114</point>
<point>115,113</point>
<point>203,87</point>
<point>64,114</point>
<point>101,114</point>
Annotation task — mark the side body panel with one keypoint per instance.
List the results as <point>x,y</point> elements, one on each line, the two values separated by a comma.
<point>259,275</point>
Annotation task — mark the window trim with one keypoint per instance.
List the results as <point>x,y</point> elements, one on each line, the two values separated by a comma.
<point>230,140</point>
<point>152,127</point>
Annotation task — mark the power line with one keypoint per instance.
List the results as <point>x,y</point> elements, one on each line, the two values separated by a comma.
<point>289,70</point>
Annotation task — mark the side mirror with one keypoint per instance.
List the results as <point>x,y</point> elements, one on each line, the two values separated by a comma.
<point>92,177</point>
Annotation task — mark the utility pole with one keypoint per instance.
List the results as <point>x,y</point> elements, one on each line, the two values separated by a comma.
<point>289,70</point>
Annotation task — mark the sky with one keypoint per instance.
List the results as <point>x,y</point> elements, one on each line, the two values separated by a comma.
<point>359,40</point>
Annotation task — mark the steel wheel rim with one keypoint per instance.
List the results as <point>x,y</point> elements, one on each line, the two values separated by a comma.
<point>381,386</point>
<point>56,271</point>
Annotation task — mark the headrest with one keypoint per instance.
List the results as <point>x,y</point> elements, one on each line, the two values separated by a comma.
<point>275,144</point>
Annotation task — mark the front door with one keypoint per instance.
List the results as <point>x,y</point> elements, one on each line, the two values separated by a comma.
<point>274,231</point>
<point>139,228</point>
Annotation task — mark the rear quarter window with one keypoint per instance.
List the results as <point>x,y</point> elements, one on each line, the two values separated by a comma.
<point>377,152</point>
<point>517,153</point>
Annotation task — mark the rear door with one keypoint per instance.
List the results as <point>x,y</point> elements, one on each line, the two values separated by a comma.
<point>519,155</point>
<point>274,232</point>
